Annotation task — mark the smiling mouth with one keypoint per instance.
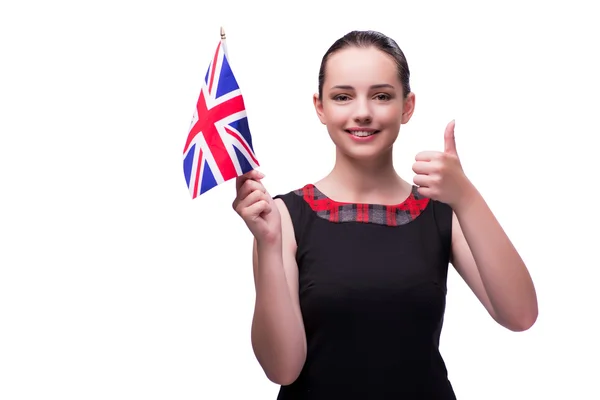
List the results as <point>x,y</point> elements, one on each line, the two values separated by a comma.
<point>358,133</point>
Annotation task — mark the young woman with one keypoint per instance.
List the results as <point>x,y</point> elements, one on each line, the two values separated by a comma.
<point>350,271</point>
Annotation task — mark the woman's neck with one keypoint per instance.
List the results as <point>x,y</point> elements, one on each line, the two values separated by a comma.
<point>365,181</point>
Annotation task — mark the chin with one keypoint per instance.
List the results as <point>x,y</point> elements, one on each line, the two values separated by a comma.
<point>365,153</point>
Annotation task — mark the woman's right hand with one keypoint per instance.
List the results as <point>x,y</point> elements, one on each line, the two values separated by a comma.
<point>256,207</point>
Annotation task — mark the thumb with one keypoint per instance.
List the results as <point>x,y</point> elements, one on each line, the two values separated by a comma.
<point>449,142</point>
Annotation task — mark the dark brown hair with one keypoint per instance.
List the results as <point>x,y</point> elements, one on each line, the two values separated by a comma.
<point>367,39</point>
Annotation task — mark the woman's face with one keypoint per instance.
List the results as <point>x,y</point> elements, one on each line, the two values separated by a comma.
<point>363,104</point>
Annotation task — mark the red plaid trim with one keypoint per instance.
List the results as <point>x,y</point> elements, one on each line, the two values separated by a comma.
<point>390,215</point>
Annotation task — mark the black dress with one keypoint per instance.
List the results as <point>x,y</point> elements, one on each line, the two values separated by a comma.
<point>372,287</point>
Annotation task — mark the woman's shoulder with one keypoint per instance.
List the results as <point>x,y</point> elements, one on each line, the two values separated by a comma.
<point>296,192</point>
<point>291,198</point>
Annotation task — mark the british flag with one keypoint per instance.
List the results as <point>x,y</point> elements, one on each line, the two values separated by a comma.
<point>219,145</point>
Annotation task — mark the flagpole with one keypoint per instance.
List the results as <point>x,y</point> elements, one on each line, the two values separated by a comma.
<point>224,43</point>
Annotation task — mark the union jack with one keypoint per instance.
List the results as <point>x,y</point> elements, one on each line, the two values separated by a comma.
<point>219,145</point>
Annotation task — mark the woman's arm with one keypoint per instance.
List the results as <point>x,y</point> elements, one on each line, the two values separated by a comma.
<point>278,337</point>
<point>488,262</point>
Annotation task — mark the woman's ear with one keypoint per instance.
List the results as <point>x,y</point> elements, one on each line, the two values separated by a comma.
<point>319,108</point>
<point>408,107</point>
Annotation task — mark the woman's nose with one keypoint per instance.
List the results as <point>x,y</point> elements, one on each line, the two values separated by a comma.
<point>362,112</point>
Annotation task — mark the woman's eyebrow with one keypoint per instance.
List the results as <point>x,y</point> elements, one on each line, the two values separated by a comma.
<point>378,86</point>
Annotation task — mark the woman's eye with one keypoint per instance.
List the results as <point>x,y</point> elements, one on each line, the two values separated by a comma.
<point>341,97</point>
<point>382,96</point>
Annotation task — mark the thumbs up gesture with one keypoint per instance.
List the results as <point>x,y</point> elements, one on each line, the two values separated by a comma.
<point>439,175</point>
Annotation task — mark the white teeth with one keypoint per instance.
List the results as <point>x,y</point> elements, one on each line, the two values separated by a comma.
<point>362,133</point>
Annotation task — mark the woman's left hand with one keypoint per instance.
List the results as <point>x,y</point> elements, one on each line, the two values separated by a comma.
<point>440,176</point>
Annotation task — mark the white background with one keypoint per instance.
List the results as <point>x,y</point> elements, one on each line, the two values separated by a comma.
<point>114,284</point>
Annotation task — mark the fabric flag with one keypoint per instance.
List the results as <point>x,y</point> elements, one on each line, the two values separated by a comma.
<point>219,145</point>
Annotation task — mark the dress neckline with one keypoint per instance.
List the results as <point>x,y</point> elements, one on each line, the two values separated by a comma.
<point>380,214</point>
<point>414,195</point>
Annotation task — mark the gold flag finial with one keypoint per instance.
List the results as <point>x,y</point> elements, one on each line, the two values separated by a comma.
<point>222,33</point>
